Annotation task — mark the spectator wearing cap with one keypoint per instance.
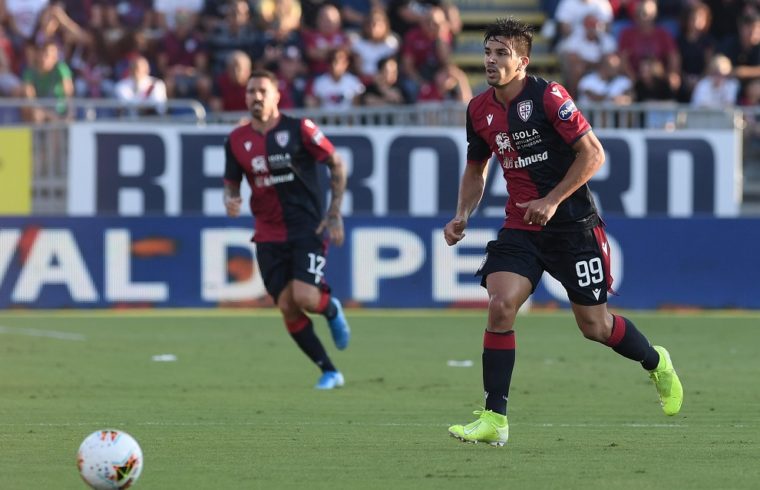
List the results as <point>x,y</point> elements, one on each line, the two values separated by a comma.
<point>140,88</point>
<point>291,79</point>
<point>338,88</point>
<point>571,15</point>
<point>230,86</point>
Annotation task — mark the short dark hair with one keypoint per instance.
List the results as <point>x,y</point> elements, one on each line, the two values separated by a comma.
<point>520,33</point>
<point>261,73</point>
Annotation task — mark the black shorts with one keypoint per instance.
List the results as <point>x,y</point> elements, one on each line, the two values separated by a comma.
<point>281,262</point>
<point>580,260</point>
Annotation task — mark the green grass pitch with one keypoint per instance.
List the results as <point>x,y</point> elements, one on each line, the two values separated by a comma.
<point>237,409</point>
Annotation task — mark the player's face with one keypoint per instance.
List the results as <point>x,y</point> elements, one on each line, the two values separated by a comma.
<point>502,63</point>
<point>261,97</point>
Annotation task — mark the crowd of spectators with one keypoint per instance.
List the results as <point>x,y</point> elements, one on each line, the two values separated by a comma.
<point>341,53</point>
<point>331,54</point>
<point>700,52</point>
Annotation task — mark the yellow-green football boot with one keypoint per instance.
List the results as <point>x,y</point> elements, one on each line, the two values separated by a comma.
<point>491,428</point>
<point>667,383</point>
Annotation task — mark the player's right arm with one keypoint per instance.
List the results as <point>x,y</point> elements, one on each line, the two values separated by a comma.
<point>233,175</point>
<point>472,185</point>
<point>470,192</point>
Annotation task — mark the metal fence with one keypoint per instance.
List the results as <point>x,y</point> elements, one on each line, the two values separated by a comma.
<point>51,155</point>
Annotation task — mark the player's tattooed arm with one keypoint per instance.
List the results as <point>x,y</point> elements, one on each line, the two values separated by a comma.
<point>232,199</point>
<point>333,221</point>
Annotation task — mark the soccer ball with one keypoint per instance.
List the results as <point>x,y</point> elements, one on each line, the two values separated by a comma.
<point>109,459</point>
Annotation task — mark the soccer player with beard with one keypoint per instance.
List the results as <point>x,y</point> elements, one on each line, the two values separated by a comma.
<point>278,156</point>
<point>548,153</point>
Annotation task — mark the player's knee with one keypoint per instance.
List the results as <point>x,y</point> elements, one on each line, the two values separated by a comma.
<point>501,312</point>
<point>594,330</point>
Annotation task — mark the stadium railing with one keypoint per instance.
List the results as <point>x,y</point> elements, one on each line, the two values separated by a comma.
<point>50,140</point>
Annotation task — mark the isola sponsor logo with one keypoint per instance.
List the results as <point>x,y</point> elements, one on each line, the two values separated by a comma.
<point>566,110</point>
<point>521,162</point>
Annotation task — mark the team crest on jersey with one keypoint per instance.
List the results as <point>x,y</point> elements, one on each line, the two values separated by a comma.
<point>247,145</point>
<point>282,138</point>
<point>503,143</point>
<point>525,109</point>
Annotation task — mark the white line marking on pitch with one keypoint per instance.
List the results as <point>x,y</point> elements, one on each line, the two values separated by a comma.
<point>360,424</point>
<point>48,334</point>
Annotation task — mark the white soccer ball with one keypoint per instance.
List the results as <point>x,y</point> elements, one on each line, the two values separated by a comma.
<point>109,459</point>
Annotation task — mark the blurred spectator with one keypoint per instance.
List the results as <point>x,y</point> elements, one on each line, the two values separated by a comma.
<point>168,13</point>
<point>375,43</point>
<point>10,84</point>
<point>282,24</point>
<point>93,75</point>
<point>355,12</point>
<point>55,26</point>
<point>725,13</point>
<point>122,14</point>
<point>338,88</point>
<point>717,88</point>
<point>695,45</point>
<point>751,148</point>
<point>319,44</point>
<point>385,88</point>
<point>606,85</point>
<point>583,49</point>
<point>140,88</point>
<point>229,89</point>
<point>644,39</point>
<point>652,86</point>
<point>652,82</point>
<point>425,49</point>
<point>449,84</point>
<point>19,17</point>
<point>183,61</point>
<point>310,11</point>
<point>571,14</point>
<point>48,77</point>
<point>743,49</point>
<point>216,12</point>
<point>236,33</point>
<point>291,79</point>
<point>405,15</point>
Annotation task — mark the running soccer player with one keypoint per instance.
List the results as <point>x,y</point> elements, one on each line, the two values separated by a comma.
<point>278,156</point>
<point>547,152</point>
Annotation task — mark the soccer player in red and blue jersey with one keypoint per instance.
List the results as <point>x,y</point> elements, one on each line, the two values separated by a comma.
<point>548,153</point>
<point>279,155</point>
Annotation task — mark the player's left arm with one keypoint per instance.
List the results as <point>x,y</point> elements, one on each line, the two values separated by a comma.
<point>333,221</point>
<point>589,158</point>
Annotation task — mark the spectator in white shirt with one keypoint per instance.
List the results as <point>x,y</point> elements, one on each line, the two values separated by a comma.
<point>139,88</point>
<point>338,88</point>
<point>717,88</point>
<point>606,84</point>
<point>583,50</point>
